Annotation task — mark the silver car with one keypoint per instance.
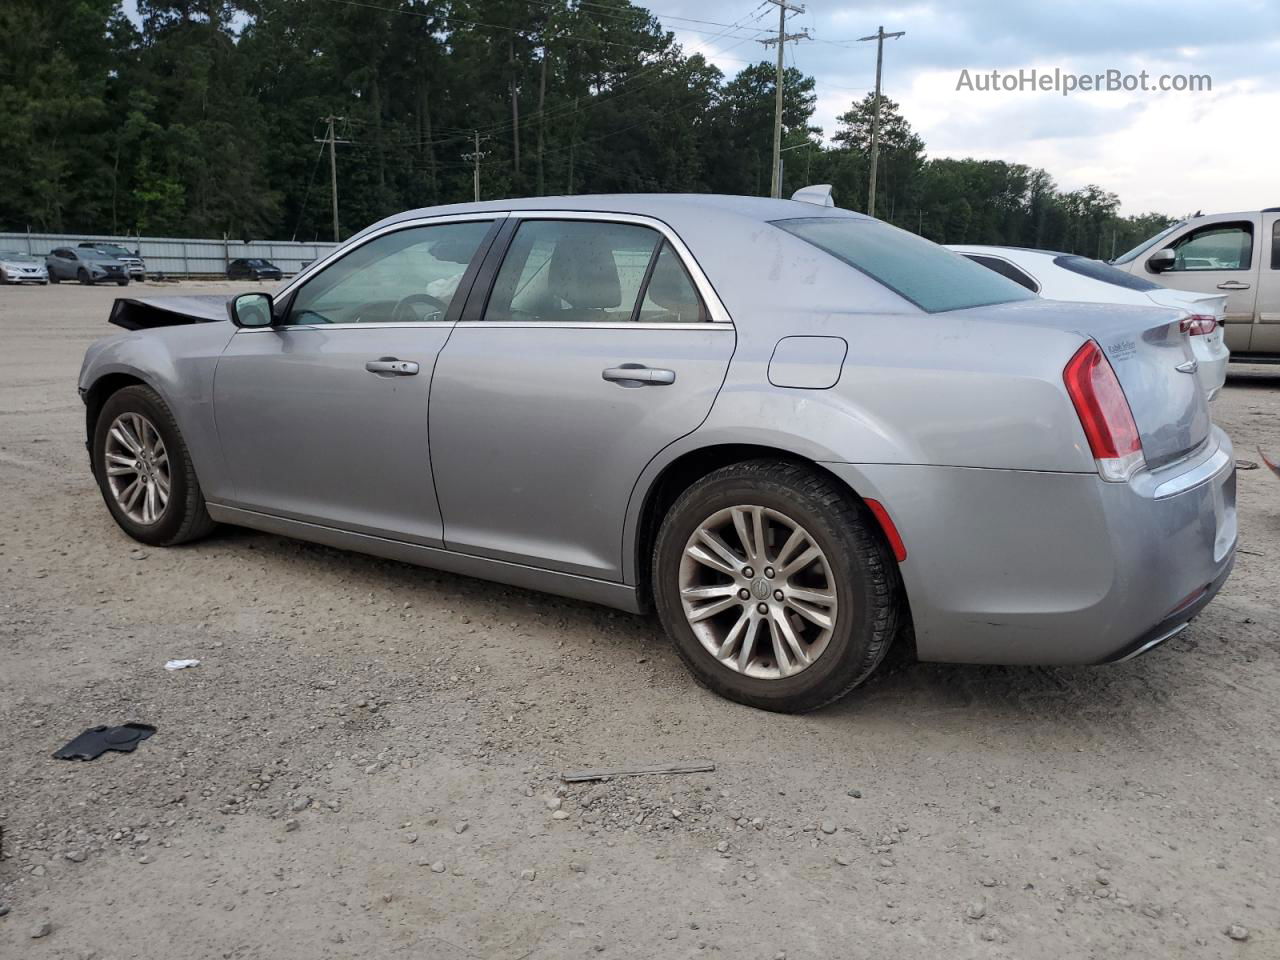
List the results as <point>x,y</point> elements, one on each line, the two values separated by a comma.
<point>797,433</point>
<point>17,267</point>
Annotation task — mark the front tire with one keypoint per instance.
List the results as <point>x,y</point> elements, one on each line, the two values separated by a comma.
<point>776,586</point>
<point>84,278</point>
<point>144,470</point>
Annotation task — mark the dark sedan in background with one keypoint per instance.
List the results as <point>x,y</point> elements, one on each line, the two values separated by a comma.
<point>85,265</point>
<point>253,269</point>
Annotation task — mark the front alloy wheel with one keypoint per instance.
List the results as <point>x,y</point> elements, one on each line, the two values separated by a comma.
<point>137,468</point>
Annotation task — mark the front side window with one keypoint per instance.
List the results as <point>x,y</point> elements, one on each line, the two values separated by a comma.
<point>1221,246</point>
<point>573,271</point>
<point>933,278</point>
<point>407,276</point>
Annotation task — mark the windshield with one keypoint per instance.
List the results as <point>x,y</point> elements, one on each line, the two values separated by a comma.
<point>1148,243</point>
<point>930,276</point>
<point>111,250</point>
<point>93,254</point>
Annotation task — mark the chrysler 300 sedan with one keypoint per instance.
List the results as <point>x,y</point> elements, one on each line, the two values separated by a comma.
<point>793,431</point>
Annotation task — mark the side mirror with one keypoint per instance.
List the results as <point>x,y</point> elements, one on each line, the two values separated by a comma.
<point>1162,260</point>
<point>250,310</point>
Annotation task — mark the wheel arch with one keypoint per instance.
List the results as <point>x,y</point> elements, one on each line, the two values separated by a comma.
<point>685,469</point>
<point>95,397</point>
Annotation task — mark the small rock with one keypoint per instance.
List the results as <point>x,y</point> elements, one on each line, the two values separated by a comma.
<point>46,928</point>
<point>843,860</point>
<point>438,867</point>
<point>410,838</point>
<point>144,859</point>
<point>386,898</point>
<point>300,804</point>
<point>1236,932</point>
<point>976,910</point>
<point>577,867</point>
<point>886,862</point>
<point>4,909</point>
<point>988,881</point>
<point>529,875</point>
<point>828,827</point>
<point>554,803</point>
<point>1103,877</point>
<point>76,856</point>
<point>1150,910</point>
<point>855,793</point>
<point>290,825</point>
<point>722,846</point>
<point>989,933</point>
<point>560,815</point>
<point>461,826</point>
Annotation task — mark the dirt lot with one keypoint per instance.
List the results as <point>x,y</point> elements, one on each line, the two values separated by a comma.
<point>365,764</point>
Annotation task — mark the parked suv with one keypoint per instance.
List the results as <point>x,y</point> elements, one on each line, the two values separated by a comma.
<point>87,266</point>
<point>1233,253</point>
<point>132,261</point>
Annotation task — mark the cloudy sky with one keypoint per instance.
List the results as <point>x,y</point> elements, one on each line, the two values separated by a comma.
<point>1172,152</point>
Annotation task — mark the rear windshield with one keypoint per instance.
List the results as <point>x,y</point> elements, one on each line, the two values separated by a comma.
<point>931,277</point>
<point>1097,270</point>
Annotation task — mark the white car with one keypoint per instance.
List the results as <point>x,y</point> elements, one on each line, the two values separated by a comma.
<point>18,267</point>
<point>1068,276</point>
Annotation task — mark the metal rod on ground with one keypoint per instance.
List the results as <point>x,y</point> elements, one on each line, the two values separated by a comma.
<point>879,37</point>
<point>775,187</point>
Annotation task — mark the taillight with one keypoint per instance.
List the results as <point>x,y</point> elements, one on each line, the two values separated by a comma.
<point>1199,325</point>
<point>1104,413</point>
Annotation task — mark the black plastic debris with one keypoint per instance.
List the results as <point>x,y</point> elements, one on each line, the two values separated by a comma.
<point>97,740</point>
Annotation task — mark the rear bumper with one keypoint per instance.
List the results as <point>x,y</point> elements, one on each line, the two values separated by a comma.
<point>1023,567</point>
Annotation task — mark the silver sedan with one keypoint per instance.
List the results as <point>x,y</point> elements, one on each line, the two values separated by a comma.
<point>797,433</point>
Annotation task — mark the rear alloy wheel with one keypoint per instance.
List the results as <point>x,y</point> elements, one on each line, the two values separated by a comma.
<point>145,472</point>
<point>776,586</point>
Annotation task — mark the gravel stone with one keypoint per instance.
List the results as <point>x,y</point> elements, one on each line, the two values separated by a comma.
<point>1238,931</point>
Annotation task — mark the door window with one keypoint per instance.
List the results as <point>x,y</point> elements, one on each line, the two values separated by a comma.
<point>1220,246</point>
<point>573,271</point>
<point>670,296</point>
<point>1275,245</point>
<point>407,276</point>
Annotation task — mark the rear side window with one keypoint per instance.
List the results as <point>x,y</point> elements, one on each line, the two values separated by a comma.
<point>1275,245</point>
<point>934,279</point>
<point>1097,270</point>
<point>1005,269</point>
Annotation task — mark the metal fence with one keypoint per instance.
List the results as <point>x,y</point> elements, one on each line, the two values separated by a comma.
<point>178,257</point>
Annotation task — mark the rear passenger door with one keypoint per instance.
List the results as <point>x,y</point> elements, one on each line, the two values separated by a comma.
<point>589,344</point>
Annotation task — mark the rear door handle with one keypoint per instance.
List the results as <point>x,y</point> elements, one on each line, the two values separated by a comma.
<point>391,367</point>
<point>1233,285</point>
<point>638,375</point>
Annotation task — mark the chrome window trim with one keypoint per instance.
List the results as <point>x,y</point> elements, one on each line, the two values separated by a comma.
<point>372,325</point>
<point>715,309</point>
<point>601,325</point>
<point>337,253</point>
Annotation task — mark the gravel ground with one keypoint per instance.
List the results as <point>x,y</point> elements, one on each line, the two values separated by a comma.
<point>366,761</point>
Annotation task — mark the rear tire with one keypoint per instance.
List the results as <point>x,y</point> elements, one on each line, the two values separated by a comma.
<point>54,279</point>
<point>853,570</point>
<point>183,516</point>
<point>122,283</point>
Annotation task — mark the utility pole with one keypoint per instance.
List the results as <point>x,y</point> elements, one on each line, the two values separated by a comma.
<point>332,140</point>
<point>879,37</point>
<point>775,189</point>
<point>476,156</point>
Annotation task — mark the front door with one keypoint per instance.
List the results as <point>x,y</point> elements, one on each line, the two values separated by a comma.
<point>594,350</point>
<point>1266,333</point>
<point>323,417</point>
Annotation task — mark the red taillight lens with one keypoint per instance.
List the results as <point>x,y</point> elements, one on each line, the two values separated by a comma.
<point>1104,413</point>
<point>1199,325</point>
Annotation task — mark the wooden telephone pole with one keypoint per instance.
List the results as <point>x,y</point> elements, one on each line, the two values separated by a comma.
<point>775,189</point>
<point>331,139</point>
<point>879,37</point>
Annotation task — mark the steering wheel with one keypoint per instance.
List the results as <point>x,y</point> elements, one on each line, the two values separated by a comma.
<point>403,312</point>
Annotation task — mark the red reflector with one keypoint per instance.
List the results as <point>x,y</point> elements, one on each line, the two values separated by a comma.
<point>1101,405</point>
<point>1198,325</point>
<point>890,531</point>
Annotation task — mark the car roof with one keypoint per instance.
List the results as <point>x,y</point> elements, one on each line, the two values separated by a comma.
<point>672,208</point>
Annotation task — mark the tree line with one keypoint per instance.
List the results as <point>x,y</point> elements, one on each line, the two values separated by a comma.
<point>202,118</point>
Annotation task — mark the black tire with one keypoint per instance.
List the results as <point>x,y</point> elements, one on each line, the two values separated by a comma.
<point>864,573</point>
<point>54,278</point>
<point>122,283</point>
<point>142,278</point>
<point>185,516</point>
<point>83,276</point>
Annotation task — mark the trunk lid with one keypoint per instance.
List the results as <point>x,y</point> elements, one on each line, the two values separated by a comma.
<point>1152,359</point>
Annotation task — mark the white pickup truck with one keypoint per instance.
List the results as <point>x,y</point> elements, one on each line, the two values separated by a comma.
<point>1233,253</point>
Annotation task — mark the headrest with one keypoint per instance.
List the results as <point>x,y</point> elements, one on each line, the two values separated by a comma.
<point>583,274</point>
